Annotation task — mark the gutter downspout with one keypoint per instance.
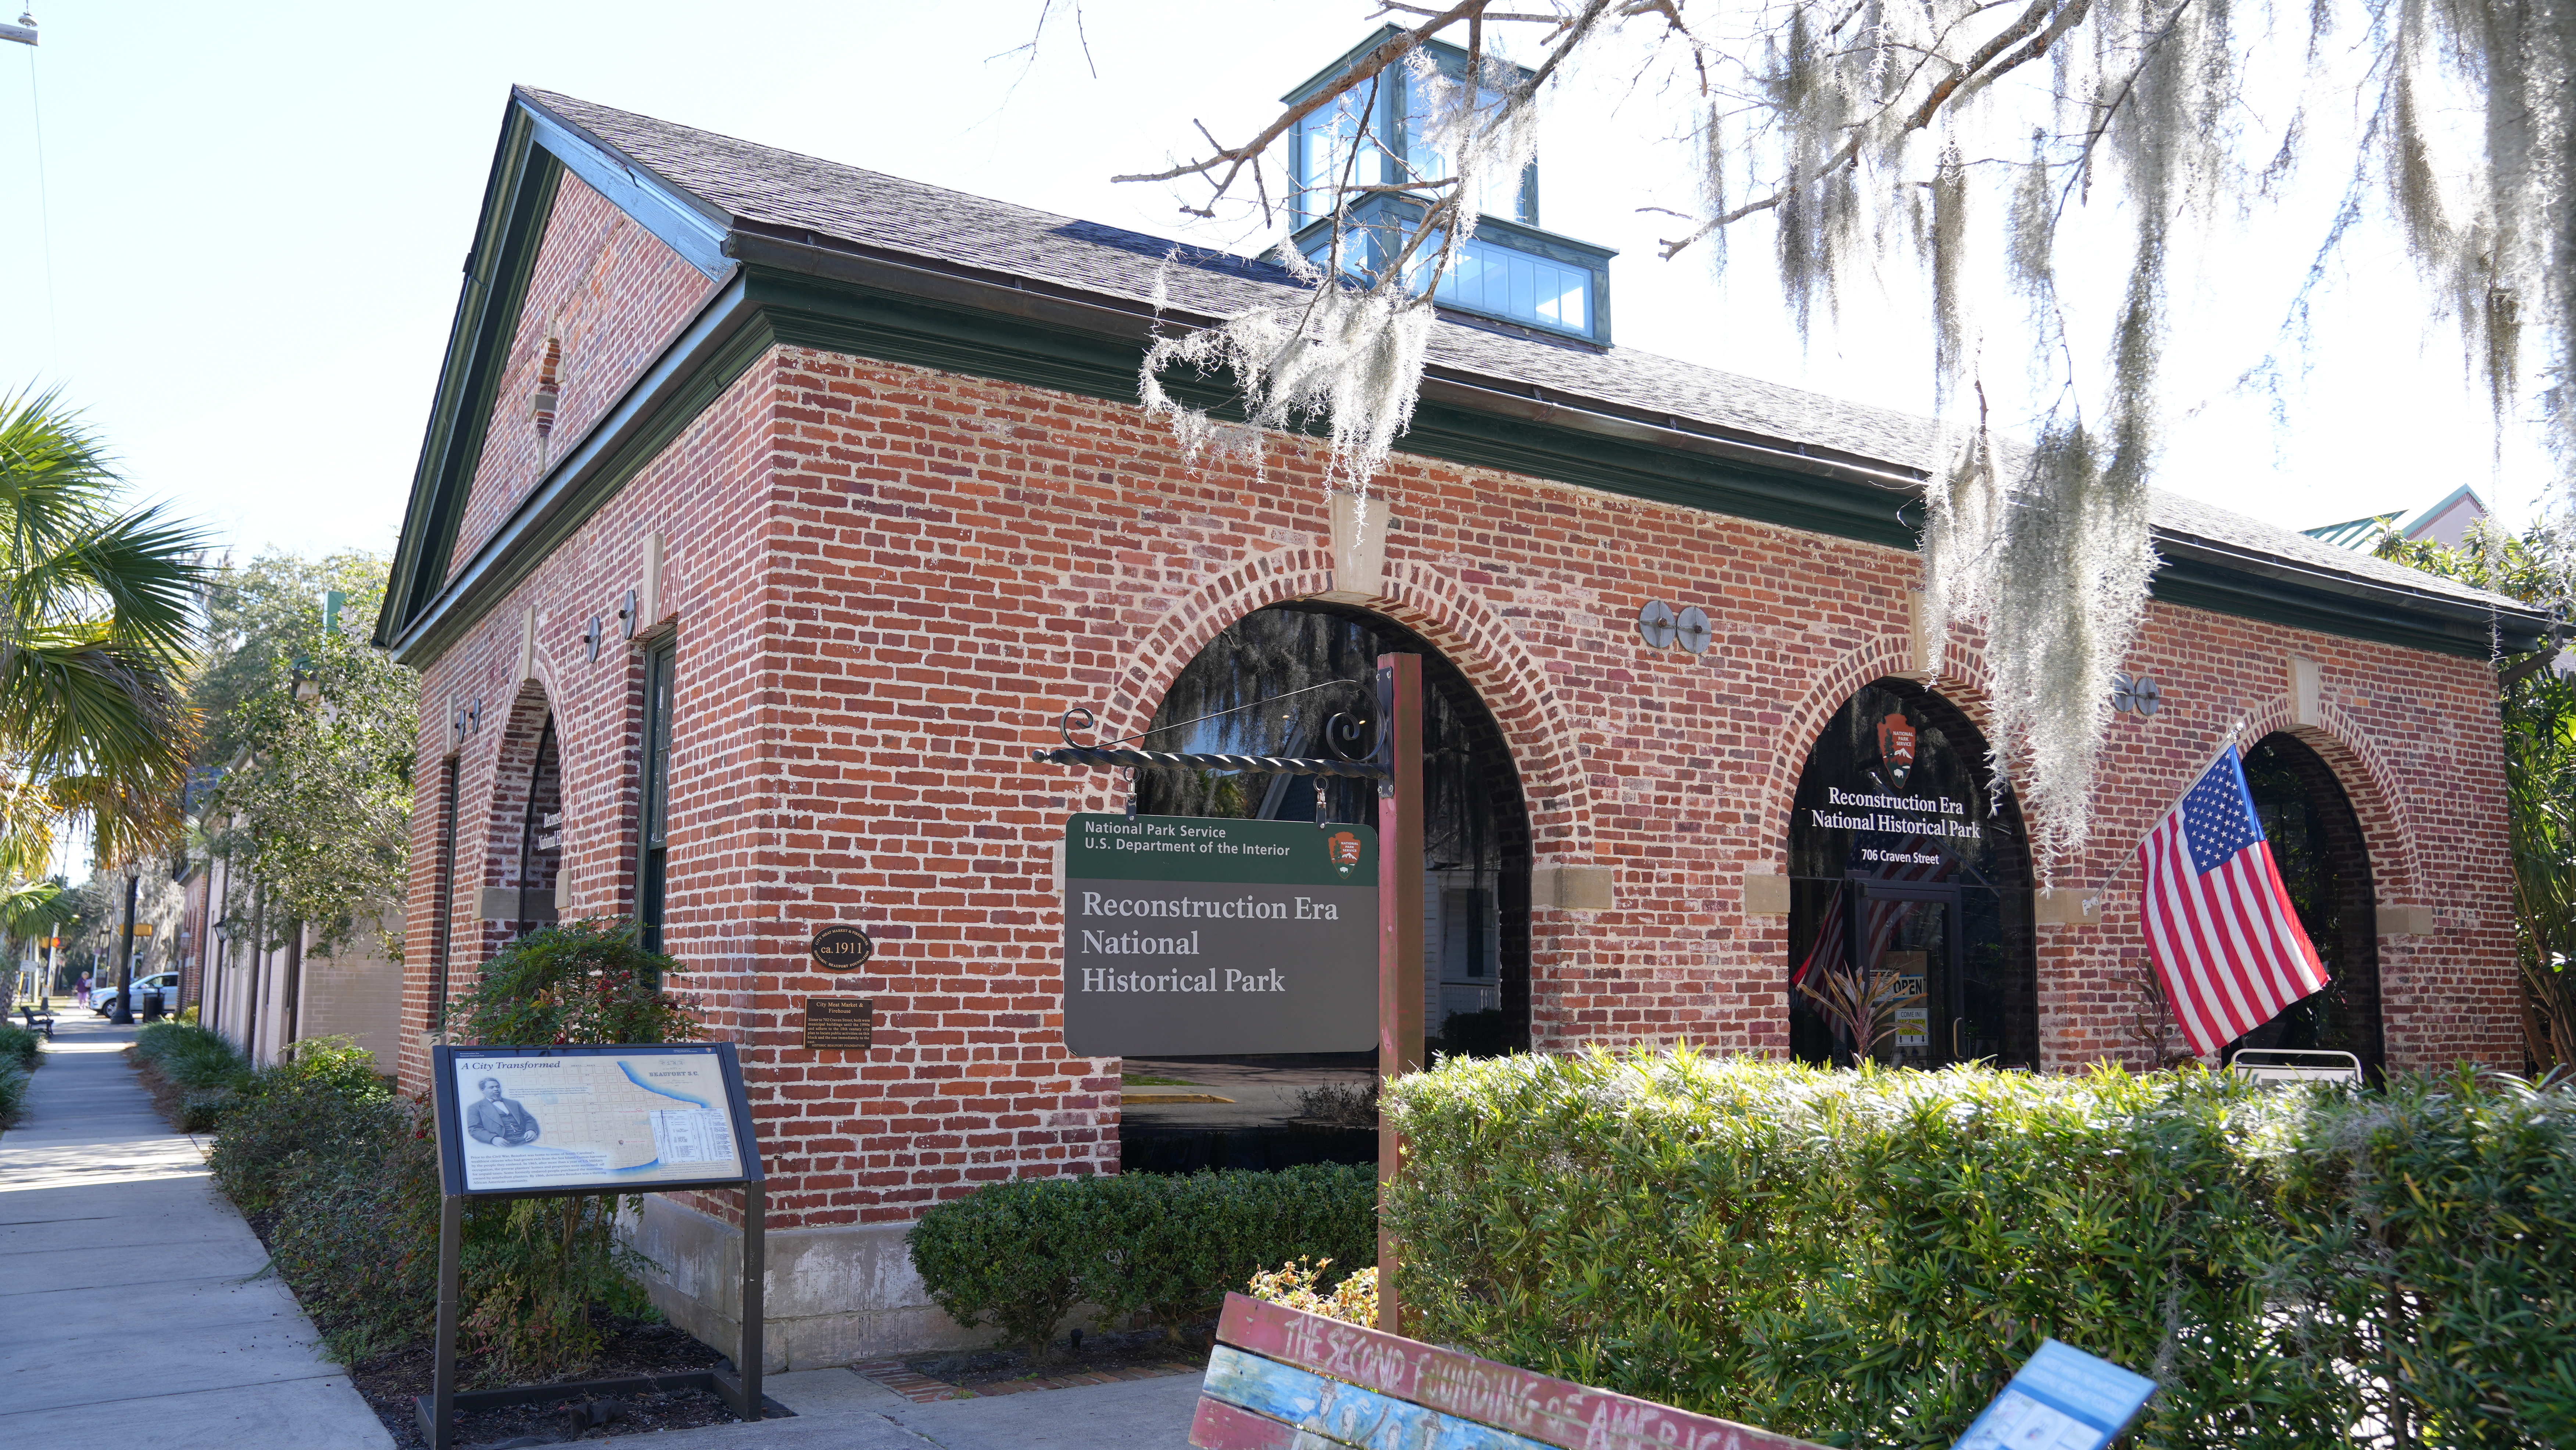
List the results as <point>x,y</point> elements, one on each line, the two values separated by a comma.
<point>294,1003</point>
<point>258,969</point>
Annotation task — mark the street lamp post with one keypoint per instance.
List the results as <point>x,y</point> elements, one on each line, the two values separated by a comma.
<point>123,1016</point>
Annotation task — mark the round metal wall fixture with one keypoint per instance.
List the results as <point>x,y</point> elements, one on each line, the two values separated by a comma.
<point>1655,624</point>
<point>626,617</point>
<point>1690,630</point>
<point>2142,695</point>
<point>590,639</point>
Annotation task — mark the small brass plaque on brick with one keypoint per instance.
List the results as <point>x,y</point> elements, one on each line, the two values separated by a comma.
<point>840,948</point>
<point>839,1024</point>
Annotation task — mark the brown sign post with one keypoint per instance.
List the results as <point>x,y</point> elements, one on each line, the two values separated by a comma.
<point>1399,952</point>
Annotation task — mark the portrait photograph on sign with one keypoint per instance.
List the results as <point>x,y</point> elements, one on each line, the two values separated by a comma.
<point>615,1119</point>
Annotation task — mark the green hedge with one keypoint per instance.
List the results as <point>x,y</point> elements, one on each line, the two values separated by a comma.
<point>1864,1258</point>
<point>19,1046</point>
<point>211,1072</point>
<point>325,1102</point>
<point>1021,1255</point>
<point>13,1090</point>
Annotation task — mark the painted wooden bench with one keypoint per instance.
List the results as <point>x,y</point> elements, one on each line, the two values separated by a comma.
<point>1283,1379</point>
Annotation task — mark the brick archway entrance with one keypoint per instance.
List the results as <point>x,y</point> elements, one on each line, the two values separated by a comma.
<point>2318,842</point>
<point>1909,875</point>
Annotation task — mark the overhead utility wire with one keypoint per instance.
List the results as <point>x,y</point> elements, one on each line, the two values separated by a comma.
<point>24,32</point>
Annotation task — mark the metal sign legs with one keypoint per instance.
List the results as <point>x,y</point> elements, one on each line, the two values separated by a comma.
<point>738,1384</point>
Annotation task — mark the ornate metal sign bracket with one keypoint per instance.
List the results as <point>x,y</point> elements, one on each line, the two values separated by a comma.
<point>1340,733</point>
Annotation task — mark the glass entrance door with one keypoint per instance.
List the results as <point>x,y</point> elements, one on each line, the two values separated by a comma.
<point>1909,962</point>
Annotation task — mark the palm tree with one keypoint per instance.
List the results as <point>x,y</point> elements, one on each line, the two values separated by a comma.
<point>97,624</point>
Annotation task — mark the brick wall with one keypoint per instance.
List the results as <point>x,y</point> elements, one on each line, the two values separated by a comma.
<point>610,294</point>
<point>886,583</point>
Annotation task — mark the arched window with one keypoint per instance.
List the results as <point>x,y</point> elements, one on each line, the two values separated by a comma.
<point>2316,838</point>
<point>1275,1111</point>
<point>1476,827</point>
<point>1909,924</point>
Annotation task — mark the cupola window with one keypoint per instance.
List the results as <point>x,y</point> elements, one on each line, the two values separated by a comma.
<point>1377,135</point>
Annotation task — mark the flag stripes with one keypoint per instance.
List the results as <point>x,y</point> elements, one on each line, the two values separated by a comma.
<point>2219,923</point>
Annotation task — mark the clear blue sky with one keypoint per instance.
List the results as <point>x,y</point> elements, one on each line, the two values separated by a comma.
<point>258,215</point>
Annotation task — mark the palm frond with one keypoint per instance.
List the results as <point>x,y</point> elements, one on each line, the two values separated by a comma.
<point>55,475</point>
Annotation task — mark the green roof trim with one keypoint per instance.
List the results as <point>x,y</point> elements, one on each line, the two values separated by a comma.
<point>2352,533</point>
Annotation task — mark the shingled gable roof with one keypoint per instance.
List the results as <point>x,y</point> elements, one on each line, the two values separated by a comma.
<point>1616,418</point>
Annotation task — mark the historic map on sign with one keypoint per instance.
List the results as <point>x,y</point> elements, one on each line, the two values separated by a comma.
<point>618,1120</point>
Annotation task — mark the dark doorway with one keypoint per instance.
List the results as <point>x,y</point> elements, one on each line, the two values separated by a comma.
<point>540,834</point>
<point>1909,891</point>
<point>2317,842</point>
<point>1475,859</point>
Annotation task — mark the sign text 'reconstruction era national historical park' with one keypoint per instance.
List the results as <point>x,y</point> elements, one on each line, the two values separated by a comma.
<point>1192,934</point>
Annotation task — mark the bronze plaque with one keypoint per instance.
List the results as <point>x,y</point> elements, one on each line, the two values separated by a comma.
<point>839,1024</point>
<point>839,948</point>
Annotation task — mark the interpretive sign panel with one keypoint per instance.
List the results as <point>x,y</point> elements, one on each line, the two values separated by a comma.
<point>840,1024</point>
<point>1190,934</point>
<point>609,1119</point>
<point>2062,1399</point>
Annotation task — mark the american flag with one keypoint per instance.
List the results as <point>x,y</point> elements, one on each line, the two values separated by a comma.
<point>2219,924</point>
<point>1884,916</point>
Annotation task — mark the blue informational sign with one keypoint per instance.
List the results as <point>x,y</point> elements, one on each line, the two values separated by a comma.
<point>2063,1399</point>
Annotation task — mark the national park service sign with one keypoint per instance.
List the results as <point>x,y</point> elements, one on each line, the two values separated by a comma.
<point>1192,934</point>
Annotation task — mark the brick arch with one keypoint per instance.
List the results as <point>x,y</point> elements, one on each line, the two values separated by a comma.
<point>1461,625</point>
<point>1962,683</point>
<point>2395,872</point>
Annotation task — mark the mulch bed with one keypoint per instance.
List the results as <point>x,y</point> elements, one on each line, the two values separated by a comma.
<point>632,1348</point>
<point>1082,1359</point>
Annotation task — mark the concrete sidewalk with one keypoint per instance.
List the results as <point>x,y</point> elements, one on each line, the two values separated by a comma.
<point>134,1310</point>
<point>837,1408</point>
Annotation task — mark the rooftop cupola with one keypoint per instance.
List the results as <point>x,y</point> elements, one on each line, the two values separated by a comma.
<point>1510,270</point>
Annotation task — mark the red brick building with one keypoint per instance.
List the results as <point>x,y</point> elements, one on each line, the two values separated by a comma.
<point>772,512</point>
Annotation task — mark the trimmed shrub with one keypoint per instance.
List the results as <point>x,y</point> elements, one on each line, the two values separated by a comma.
<point>589,981</point>
<point>1020,1255</point>
<point>325,1102</point>
<point>19,1046</point>
<point>1009,1254</point>
<point>1168,1247</point>
<point>209,1071</point>
<point>194,1058</point>
<point>1864,1258</point>
<point>356,1233</point>
<point>13,1090</point>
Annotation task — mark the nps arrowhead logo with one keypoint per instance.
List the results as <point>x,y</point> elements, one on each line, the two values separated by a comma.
<point>1896,746</point>
<point>1343,850</point>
